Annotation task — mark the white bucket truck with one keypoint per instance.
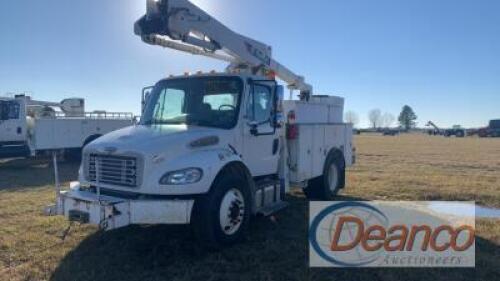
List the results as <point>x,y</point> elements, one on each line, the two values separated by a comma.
<point>29,127</point>
<point>211,149</point>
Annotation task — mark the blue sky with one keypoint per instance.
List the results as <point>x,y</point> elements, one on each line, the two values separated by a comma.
<point>440,57</point>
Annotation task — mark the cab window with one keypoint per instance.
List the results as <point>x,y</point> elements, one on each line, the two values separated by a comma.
<point>14,110</point>
<point>170,104</point>
<point>221,101</point>
<point>9,110</point>
<point>260,104</point>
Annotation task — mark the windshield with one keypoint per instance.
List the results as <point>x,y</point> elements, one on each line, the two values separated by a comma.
<point>202,101</point>
<point>9,110</point>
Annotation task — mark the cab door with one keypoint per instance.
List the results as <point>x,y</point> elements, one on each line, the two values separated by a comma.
<point>12,126</point>
<point>260,135</point>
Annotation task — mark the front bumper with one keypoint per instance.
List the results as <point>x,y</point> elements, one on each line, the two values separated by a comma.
<point>109,212</point>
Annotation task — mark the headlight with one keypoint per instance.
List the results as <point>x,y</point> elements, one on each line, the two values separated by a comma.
<point>185,176</point>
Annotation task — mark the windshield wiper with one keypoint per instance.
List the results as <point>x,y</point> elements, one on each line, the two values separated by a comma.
<point>206,123</point>
<point>156,122</point>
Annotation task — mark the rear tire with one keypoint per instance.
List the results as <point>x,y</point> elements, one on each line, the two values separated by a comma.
<point>328,185</point>
<point>221,217</point>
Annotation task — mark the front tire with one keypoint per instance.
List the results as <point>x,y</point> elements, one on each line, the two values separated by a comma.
<point>328,185</point>
<point>222,216</point>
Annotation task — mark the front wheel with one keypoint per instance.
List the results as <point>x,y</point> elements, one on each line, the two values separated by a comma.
<point>222,216</point>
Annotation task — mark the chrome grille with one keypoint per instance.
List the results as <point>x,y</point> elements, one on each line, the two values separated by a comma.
<point>115,170</point>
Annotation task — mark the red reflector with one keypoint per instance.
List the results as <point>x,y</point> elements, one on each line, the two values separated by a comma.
<point>291,115</point>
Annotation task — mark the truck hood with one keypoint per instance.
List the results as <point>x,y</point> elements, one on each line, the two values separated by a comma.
<point>153,139</point>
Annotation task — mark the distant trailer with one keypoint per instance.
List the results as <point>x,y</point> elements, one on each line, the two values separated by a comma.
<point>493,129</point>
<point>31,128</point>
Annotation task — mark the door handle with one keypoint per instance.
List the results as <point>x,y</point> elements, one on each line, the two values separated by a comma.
<point>276,144</point>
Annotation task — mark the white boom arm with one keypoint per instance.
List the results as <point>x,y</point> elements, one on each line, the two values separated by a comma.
<point>181,20</point>
<point>72,106</point>
<point>31,102</point>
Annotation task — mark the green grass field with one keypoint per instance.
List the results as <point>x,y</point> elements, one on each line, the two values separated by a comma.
<point>407,167</point>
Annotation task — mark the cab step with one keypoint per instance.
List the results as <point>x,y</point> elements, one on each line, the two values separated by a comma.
<point>269,210</point>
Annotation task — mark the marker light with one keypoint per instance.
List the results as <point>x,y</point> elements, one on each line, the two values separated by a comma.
<point>271,75</point>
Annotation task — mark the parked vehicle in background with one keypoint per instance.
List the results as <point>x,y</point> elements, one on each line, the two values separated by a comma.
<point>30,128</point>
<point>456,131</point>
<point>472,132</point>
<point>390,132</point>
<point>493,129</point>
<point>435,131</point>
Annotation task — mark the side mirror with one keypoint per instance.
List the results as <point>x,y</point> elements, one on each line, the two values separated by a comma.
<point>253,128</point>
<point>280,93</point>
<point>278,107</point>
<point>146,93</point>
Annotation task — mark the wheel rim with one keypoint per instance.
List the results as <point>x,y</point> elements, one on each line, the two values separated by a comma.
<point>232,211</point>
<point>333,177</point>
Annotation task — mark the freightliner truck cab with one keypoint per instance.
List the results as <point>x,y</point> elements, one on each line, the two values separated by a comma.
<point>190,129</point>
<point>13,127</point>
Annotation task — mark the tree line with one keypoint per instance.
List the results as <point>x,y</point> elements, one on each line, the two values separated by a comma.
<point>407,119</point>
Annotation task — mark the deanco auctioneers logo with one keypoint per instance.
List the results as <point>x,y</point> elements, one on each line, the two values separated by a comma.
<point>390,234</point>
